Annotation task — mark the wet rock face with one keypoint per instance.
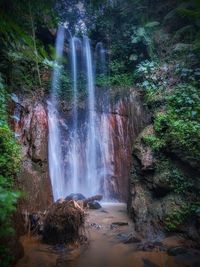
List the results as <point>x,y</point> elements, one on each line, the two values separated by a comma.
<point>118,121</point>
<point>30,125</point>
<point>155,201</point>
<point>126,118</point>
<point>38,134</point>
<point>144,153</point>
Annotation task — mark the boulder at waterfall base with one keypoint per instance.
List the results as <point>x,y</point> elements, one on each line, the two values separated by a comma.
<point>94,205</point>
<point>63,222</point>
<point>75,197</point>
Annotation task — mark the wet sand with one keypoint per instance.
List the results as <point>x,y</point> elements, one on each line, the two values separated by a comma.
<point>106,247</point>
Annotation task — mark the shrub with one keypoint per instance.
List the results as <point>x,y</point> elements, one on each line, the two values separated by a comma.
<point>177,217</point>
<point>9,166</point>
<point>154,142</point>
<point>179,182</point>
<point>179,126</point>
<point>122,80</point>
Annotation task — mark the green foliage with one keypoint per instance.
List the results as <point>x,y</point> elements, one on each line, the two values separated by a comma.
<point>143,34</point>
<point>180,183</point>
<point>179,126</point>
<point>9,152</point>
<point>116,67</point>
<point>6,259</point>
<point>184,102</point>
<point>3,114</point>
<point>146,74</point>
<point>152,76</point>
<point>9,166</point>
<point>123,80</point>
<point>101,80</point>
<point>154,142</point>
<point>177,217</point>
<point>117,80</point>
<point>22,54</point>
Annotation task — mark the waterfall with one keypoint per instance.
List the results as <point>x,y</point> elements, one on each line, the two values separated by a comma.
<point>106,143</point>
<point>91,149</point>
<point>82,138</point>
<point>75,42</point>
<point>56,168</point>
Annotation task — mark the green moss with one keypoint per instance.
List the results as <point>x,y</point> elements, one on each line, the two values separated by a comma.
<point>154,142</point>
<point>177,217</point>
<point>179,182</point>
<point>179,126</point>
<point>118,80</point>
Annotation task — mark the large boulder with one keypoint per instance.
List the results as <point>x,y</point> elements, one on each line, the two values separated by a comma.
<point>144,153</point>
<point>149,212</point>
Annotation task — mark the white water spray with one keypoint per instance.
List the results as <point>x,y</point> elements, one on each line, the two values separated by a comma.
<point>75,42</point>
<point>56,168</point>
<point>91,150</point>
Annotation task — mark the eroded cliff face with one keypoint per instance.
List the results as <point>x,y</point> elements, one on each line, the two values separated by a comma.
<point>30,125</point>
<point>127,118</point>
<point>118,121</point>
<point>161,193</point>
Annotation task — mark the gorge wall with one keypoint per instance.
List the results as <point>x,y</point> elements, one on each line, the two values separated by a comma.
<point>162,188</point>
<point>126,118</point>
<point>30,125</point>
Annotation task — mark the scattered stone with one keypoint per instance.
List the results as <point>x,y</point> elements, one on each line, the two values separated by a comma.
<point>122,211</point>
<point>104,211</point>
<point>96,226</point>
<point>158,244</point>
<point>112,226</point>
<point>176,251</point>
<point>128,238</point>
<point>120,223</point>
<point>148,263</point>
<point>83,239</point>
<point>131,239</point>
<point>152,246</point>
<point>94,205</point>
<point>59,248</point>
<point>75,197</point>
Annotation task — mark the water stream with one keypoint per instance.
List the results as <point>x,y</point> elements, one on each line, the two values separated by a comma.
<point>55,147</point>
<point>81,149</point>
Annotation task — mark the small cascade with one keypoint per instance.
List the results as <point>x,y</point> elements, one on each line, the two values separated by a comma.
<point>56,168</point>
<point>106,145</point>
<point>100,59</point>
<point>91,149</point>
<point>75,185</point>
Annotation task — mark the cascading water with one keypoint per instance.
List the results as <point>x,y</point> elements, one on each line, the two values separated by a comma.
<point>84,140</point>
<point>75,42</point>
<point>88,152</point>
<point>55,147</point>
<point>91,149</point>
<point>106,146</point>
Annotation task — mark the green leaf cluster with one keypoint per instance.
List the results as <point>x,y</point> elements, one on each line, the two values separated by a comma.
<point>176,217</point>
<point>9,167</point>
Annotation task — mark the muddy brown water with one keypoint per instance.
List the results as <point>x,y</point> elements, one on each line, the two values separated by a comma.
<point>105,247</point>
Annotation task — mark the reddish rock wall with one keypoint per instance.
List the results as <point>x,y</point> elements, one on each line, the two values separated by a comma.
<point>127,119</point>
<point>30,125</point>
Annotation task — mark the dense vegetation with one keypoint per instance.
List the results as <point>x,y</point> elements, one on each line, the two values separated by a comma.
<point>9,166</point>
